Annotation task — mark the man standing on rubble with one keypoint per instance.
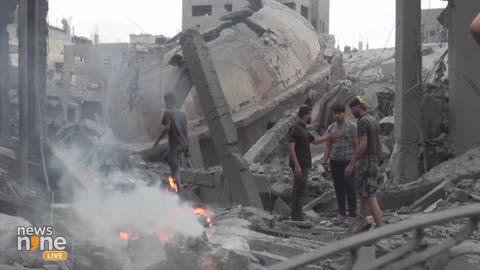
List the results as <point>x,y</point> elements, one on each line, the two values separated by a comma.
<point>299,140</point>
<point>340,151</point>
<point>175,125</point>
<point>368,153</point>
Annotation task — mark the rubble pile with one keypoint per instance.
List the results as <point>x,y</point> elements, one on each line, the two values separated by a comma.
<point>121,209</point>
<point>374,71</point>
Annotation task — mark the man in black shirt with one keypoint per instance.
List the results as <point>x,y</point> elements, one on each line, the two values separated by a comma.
<point>299,140</point>
<point>175,122</point>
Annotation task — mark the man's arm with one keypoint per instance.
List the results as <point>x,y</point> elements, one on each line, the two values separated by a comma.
<point>165,131</point>
<point>328,150</point>
<point>326,138</point>
<point>293,154</point>
<point>362,147</point>
<point>475,29</point>
<point>355,135</point>
<point>167,123</point>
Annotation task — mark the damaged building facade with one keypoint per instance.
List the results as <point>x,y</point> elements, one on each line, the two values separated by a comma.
<point>241,83</point>
<point>206,14</point>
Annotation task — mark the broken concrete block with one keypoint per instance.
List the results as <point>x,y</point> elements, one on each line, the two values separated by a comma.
<point>281,208</point>
<point>329,53</point>
<point>337,70</point>
<point>270,141</point>
<point>236,222</point>
<point>234,260</point>
<point>325,197</point>
<point>466,184</point>
<point>312,214</point>
<point>281,190</point>
<point>388,69</point>
<point>241,186</point>
<point>267,218</point>
<point>459,195</point>
<point>432,207</point>
<point>439,192</point>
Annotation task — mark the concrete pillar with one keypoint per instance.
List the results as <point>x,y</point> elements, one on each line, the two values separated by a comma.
<point>240,184</point>
<point>7,9</point>
<point>464,68</point>
<point>408,61</point>
<point>37,31</point>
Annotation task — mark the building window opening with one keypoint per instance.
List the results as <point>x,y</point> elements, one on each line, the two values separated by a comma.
<point>315,25</point>
<point>304,11</point>
<point>228,7</point>
<point>291,5</point>
<point>204,10</point>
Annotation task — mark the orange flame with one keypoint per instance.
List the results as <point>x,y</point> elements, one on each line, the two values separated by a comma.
<point>173,184</point>
<point>162,237</point>
<point>126,236</point>
<point>202,212</point>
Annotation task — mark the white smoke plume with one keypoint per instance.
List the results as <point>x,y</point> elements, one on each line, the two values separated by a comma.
<point>105,210</point>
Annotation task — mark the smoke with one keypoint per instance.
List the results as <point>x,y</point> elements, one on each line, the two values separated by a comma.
<point>142,211</point>
<point>121,200</point>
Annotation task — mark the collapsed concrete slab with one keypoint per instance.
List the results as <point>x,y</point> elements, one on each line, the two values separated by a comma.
<point>467,166</point>
<point>219,119</point>
<point>260,55</point>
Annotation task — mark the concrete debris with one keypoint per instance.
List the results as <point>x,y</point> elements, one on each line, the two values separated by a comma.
<point>439,192</point>
<point>241,84</point>
<point>281,208</point>
<point>270,142</point>
<point>326,197</point>
<point>312,215</point>
<point>337,70</point>
<point>219,119</point>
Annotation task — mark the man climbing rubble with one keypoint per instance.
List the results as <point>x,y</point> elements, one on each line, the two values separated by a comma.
<point>367,155</point>
<point>340,151</point>
<point>175,125</point>
<point>299,140</point>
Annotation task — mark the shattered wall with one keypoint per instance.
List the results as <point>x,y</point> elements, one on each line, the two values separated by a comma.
<point>256,60</point>
<point>267,55</point>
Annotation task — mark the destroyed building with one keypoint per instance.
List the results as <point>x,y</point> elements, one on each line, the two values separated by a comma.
<point>208,15</point>
<point>241,83</point>
<point>432,29</point>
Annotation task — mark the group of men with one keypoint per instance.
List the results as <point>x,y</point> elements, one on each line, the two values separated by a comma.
<point>353,152</point>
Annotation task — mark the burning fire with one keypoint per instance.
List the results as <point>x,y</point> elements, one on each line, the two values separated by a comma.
<point>161,234</point>
<point>203,213</point>
<point>126,236</point>
<point>173,184</point>
<point>162,237</point>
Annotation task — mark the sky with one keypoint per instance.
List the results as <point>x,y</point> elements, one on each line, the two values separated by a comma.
<point>350,20</point>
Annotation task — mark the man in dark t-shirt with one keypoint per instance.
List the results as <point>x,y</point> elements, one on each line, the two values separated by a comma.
<point>175,123</point>
<point>368,152</point>
<point>299,140</point>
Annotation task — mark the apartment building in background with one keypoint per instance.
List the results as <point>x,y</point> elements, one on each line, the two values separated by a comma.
<point>206,14</point>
